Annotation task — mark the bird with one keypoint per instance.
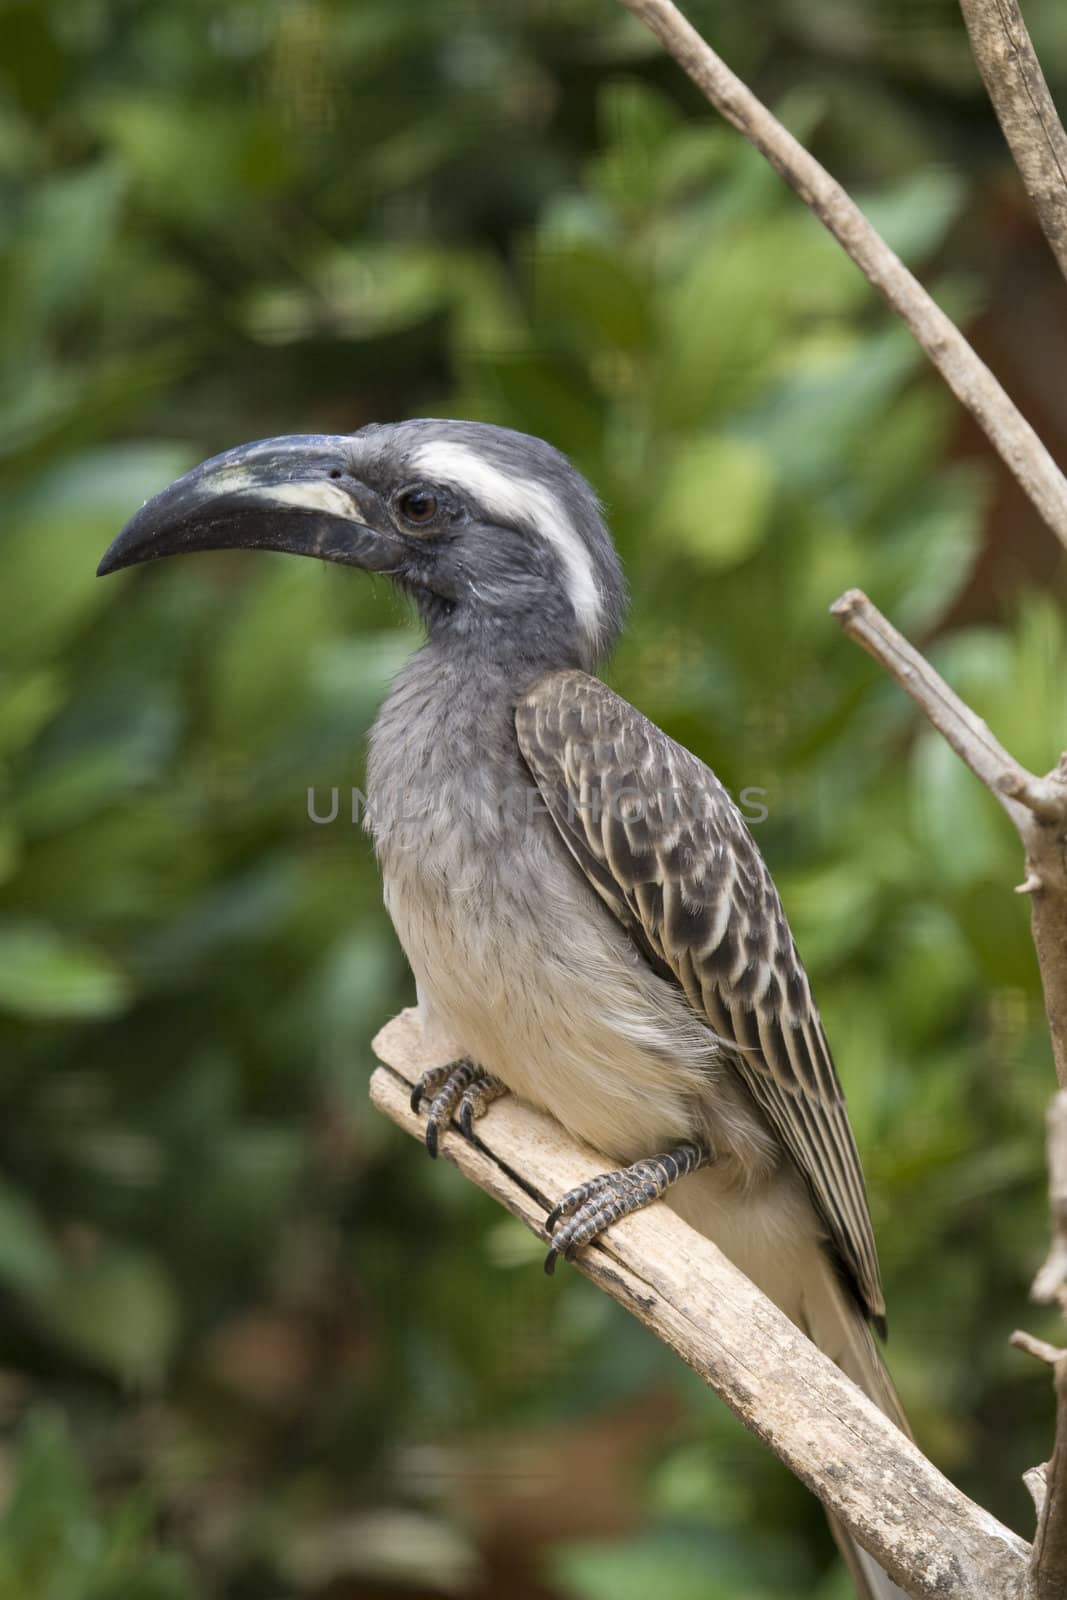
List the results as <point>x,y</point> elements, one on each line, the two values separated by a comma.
<point>590,924</point>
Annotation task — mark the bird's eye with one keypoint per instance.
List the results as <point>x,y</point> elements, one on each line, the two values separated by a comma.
<point>417,506</point>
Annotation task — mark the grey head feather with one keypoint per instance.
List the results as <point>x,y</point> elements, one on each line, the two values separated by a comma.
<point>530,565</point>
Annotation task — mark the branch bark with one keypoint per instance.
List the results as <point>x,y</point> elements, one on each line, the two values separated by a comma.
<point>1048,1567</point>
<point>1048,1571</point>
<point>1037,806</point>
<point>1050,1285</point>
<point>1012,74</point>
<point>933,1540</point>
<point>966,375</point>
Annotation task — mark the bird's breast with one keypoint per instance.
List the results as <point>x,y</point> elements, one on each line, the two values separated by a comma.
<point>520,967</point>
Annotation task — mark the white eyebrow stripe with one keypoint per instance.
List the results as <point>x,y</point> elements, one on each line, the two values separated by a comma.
<point>520,500</point>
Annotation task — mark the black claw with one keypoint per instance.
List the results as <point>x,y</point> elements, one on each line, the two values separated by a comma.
<point>550,1263</point>
<point>458,1090</point>
<point>553,1218</point>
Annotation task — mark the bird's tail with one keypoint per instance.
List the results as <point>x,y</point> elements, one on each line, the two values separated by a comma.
<point>836,1326</point>
<point>782,1248</point>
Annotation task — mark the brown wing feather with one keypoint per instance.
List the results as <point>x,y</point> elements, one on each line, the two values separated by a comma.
<point>661,841</point>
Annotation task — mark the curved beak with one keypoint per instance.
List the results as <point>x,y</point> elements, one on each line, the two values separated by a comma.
<point>296,494</point>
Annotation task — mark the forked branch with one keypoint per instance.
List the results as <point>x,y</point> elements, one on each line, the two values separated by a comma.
<point>1037,805</point>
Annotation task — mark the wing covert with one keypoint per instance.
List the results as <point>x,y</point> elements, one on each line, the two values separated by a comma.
<point>662,843</point>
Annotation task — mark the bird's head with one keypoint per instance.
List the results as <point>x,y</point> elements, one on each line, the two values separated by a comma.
<point>495,535</point>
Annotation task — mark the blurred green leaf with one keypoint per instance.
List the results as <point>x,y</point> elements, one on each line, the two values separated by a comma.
<point>60,529</point>
<point>591,294</point>
<point>689,1567</point>
<point>29,1261</point>
<point>44,276</point>
<point>91,760</point>
<point>27,701</point>
<point>963,827</point>
<point>914,216</point>
<point>55,1546</point>
<point>118,1310</point>
<point>45,976</point>
<point>716,499</point>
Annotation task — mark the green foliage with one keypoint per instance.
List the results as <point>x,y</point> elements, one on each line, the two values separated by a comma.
<point>291,1355</point>
<point>55,1546</point>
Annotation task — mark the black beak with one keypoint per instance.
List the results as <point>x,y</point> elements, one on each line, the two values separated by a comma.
<point>296,494</point>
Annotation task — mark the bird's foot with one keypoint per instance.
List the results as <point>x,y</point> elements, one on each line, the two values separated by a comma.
<point>586,1211</point>
<point>458,1088</point>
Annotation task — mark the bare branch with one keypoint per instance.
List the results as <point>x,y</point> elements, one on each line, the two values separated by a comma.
<point>967,376</point>
<point>1048,1564</point>
<point>1046,860</point>
<point>968,735</point>
<point>1036,1481</point>
<point>928,1536</point>
<point>1048,1569</point>
<point>1025,110</point>
<point>1037,806</point>
<point>1040,1349</point>
<point>1051,1281</point>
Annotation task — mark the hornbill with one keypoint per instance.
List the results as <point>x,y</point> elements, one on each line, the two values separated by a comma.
<point>616,952</point>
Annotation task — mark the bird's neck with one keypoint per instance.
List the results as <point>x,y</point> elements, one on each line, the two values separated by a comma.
<point>514,644</point>
<point>450,710</point>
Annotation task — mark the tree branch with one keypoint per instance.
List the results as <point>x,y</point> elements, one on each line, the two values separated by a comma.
<point>1025,110</point>
<point>1048,1564</point>
<point>1048,1569</point>
<point>1050,1285</point>
<point>933,1540</point>
<point>1015,787</point>
<point>968,377</point>
<point>1037,806</point>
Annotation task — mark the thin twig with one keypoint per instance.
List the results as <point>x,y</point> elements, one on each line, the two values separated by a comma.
<point>1037,806</point>
<point>967,376</point>
<point>1016,85</point>
<point>968,735</point>
<point>1040,1349</point>
<point>923,1530</point>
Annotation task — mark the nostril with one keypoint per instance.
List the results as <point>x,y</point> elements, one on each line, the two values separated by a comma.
<point>336,473</point>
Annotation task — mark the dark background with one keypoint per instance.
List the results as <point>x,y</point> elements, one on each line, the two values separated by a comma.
<point>253,1345</point>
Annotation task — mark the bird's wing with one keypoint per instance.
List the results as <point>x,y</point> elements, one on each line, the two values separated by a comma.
<point>662,843</point>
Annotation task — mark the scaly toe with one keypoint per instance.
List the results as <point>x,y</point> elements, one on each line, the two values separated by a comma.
<point>458,1078</point>
<point>610,1201</point>
<point>476,1101</point>
<point>585,1212</point>
<point>575,1198</point>
<point>458,1089</point>
<point>429,1083</point>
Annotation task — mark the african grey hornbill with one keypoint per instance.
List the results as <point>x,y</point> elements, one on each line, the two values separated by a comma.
<point>616,953</point>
